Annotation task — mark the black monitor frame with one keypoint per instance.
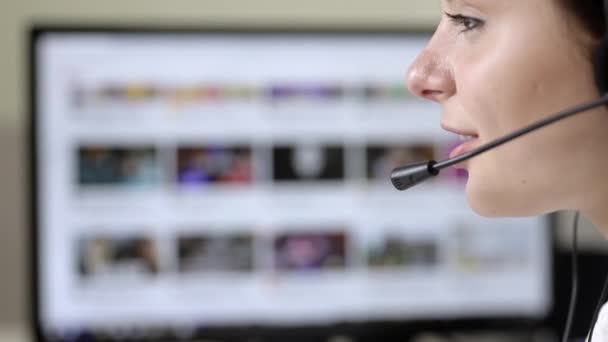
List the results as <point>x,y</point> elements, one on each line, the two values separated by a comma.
<point>385,330</point>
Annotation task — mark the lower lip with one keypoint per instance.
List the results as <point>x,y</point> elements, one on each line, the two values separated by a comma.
<point>464,147</point>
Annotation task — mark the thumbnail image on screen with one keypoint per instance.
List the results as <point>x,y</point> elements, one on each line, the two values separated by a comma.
<point>216,164</point>
<point>310,251</point>
<point>203,253</point>
<point>118,166</point>
<point>397,251</point>
<point>308,162</point>
<point>117,257</point>
<point>476,249</point>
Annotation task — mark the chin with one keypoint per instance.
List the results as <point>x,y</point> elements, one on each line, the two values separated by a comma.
<point>498,199</point>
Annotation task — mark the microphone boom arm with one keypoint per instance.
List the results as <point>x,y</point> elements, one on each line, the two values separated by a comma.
<point>407,176</point>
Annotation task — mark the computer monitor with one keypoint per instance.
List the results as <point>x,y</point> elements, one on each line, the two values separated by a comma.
<point>188,181</point>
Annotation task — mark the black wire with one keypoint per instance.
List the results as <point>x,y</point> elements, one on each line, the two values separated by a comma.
<point>602,300</point>
<point>574,290</point>
<point>542,123</point>
<point>598,308</point>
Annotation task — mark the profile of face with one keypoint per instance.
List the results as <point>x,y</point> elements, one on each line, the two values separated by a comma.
<point>496,66</point>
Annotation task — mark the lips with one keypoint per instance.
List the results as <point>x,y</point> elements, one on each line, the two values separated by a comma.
<point>470,140</point>
<point>465,147</point>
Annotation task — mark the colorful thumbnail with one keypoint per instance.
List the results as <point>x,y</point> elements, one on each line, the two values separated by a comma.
<point>199,166</point>
<point>310,251</point>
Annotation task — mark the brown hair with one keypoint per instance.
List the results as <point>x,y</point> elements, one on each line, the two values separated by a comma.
<point>589,13</point>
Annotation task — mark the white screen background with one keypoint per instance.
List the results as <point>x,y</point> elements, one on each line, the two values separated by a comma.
<point>364,210</point>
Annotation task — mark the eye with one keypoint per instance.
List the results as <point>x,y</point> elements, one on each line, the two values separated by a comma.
<point>467,23</point>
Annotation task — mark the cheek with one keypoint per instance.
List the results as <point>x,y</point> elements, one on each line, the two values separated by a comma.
<point>504,78</point>
<point>497,93</point>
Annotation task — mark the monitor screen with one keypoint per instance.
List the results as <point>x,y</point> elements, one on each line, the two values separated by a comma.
<point>227,179</point>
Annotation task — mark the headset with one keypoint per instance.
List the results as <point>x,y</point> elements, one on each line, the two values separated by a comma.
<point>407,176</point>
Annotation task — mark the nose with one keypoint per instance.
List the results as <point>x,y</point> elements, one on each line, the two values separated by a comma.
<point>431,77</point>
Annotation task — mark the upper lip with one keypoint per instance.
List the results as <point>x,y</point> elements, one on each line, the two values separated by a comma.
<point>459,131</point>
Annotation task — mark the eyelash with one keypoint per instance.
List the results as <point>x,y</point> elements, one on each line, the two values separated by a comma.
<point>468,23</point>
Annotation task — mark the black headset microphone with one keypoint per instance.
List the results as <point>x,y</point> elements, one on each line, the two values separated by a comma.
<point>407,176</point>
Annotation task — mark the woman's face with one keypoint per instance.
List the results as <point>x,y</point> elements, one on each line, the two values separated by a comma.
<point>496,66</point>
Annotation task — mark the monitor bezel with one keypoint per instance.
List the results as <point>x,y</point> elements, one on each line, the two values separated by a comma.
<point>368,330</point>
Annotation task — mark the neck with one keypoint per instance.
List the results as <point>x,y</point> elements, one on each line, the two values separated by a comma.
<point>598,215</point>
<point>588,178</point>
<point>593,200</point>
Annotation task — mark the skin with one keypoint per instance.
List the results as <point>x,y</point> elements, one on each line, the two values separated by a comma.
<point>517,62</point>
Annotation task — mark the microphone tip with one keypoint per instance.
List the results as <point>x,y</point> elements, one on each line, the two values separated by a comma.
<point>407,176</point>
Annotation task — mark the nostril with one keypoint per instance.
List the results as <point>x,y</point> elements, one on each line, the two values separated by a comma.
<point>428,92</point>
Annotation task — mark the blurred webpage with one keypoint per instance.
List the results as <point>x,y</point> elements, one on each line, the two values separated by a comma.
<point>226,179</point>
